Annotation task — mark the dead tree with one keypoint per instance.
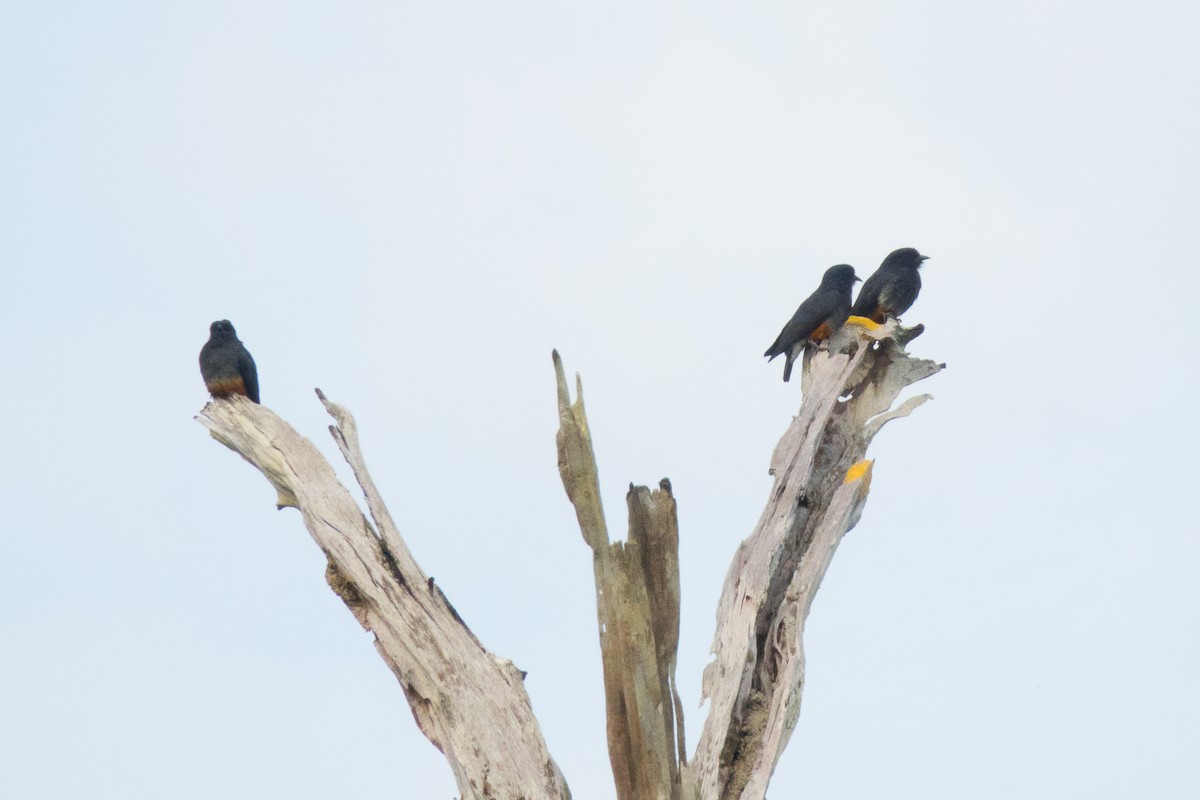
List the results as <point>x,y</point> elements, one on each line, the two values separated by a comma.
<point>472,704</point>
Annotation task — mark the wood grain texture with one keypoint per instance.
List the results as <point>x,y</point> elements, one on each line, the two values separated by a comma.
<point>637,610</point>
<point>821,482</point>
<point>471,704</point>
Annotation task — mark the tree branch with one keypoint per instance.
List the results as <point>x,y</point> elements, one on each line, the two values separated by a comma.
<point>469,703</point>
<point>821,483</point>
<point>637,606</point>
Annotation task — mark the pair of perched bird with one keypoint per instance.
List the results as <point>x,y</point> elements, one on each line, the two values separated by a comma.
<point>887,293</point>
<point>228,368</point>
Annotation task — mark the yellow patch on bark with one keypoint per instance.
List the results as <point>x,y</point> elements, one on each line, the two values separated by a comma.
<point>858,470</point>
<point>863,322</point>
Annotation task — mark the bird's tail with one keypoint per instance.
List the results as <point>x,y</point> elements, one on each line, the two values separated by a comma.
<point>787,368</point>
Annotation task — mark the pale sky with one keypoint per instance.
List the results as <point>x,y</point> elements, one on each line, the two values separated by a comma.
<point>408,205</point>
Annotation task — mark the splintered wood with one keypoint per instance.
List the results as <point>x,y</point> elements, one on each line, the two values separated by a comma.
<point>637,610</point>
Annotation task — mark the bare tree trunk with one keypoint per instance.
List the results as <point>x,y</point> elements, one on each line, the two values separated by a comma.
<point>471,704</point>
<point>755,682</point>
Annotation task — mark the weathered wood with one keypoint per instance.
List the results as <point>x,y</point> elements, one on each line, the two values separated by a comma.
<point>637,607</point>
<point>821,483</point>
<point>471,704</point>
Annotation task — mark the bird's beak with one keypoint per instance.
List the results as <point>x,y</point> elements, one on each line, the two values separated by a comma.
<point>924,258</point>
<point>856,278</point>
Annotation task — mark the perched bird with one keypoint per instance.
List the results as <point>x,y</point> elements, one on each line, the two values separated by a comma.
<point>226,365</point>
<point>817,317</point>
<point>893,288</point>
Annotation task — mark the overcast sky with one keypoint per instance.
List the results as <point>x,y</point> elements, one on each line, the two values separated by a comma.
<point>408,205</point>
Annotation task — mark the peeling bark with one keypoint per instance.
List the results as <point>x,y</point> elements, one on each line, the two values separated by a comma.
<point>468,702</point>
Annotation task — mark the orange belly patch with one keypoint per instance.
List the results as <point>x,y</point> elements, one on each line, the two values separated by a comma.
<point>223,387</point>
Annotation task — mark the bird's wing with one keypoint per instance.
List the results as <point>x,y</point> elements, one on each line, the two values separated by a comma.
<point>868,295</point>
<point>820,306</point>
<point>900,294</point>
<point>249,373</point>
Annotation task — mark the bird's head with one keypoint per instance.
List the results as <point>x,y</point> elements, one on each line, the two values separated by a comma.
<point>904,258</point>
<point>840,276</point>
<point>222,329</point>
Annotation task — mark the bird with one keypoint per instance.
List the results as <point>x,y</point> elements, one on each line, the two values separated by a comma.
<point>817,317</point>
<point>893,288</point>
<point>226,365</point>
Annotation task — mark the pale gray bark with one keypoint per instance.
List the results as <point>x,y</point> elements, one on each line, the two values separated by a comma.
<point>471,704</point>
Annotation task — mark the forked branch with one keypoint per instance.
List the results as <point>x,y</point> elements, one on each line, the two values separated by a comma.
<point>473,706</point>
<point>755,681</point>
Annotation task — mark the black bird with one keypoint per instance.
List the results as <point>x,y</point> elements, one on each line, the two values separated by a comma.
<point>226,365</point>
<point>893,288</point>
<point>817,317</point>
